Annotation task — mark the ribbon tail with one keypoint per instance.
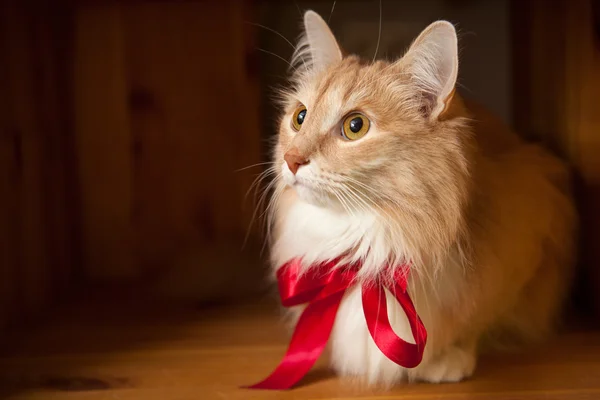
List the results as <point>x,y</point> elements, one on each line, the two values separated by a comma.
<point>401,352</point>
<point>308,342</point>
<point>416,325</point>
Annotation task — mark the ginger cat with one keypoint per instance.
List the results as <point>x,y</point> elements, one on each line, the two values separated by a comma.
<point>386,162</point>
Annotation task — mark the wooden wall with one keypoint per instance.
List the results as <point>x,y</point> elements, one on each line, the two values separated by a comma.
<point>166,112</point>
<point>122,125</point>
<point>37,201</point>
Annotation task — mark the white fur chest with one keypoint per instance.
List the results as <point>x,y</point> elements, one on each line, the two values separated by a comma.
<point>318,234</point>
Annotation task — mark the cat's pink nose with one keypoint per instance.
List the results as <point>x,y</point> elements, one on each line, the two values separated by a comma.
<point>294,160</point>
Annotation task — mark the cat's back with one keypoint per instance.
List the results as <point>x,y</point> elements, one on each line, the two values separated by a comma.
<point>492,135</point>
<point>524,225</point>
<point>522,200</point>
<point>506,153</point>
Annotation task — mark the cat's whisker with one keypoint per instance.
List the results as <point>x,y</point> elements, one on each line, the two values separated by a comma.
<point>254,186</point>
<point>274,31</point>
<point>373,205</point>
<point>258,180</point>
<point>371,190</point>
<point>333,180</point>
<point>379,36</point>
<point>264,195</point>
<point>253,166</point>
<point>369,207</point>
<point>366,206</point>
<point>271,215</point>
<point>298,8</point>
<point>357,199</point>
<point>358,203</point>
<point>281,36</point>
<point>270,203</point>
<point>332,185</point>
<point>342,201</point>
<point>278,56</point>
<point>271,207</point>
<point>259,204</point>
<point>331,13</point>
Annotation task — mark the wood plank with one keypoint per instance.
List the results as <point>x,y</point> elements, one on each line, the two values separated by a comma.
<point>52,32</point>
<point>34,222</point>
<point>103,142</point>
<point>9,218</point>
<point>32,279</point>
<point>9,177</point>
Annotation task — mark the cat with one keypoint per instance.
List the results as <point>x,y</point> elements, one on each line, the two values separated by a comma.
<point>386,161</point>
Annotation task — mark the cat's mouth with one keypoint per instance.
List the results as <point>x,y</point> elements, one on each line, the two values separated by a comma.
<point>299,182</point>
<point>308,187</point>
<point>302,186</point>
<point>312,192</point>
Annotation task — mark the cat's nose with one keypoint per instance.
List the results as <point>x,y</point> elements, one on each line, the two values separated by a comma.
<point>294,160</point>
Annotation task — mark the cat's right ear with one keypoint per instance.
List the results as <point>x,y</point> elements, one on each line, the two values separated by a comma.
<point>318,48</point>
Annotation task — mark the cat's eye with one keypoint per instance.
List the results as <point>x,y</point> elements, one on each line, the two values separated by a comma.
<point>298,117</point>
<point>355,126</point>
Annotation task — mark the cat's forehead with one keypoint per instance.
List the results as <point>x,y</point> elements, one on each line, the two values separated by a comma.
<point>345,83</point>
<point>380,89</point>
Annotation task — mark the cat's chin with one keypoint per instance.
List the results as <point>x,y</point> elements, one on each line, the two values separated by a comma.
<point>310,196</point>
<point>306,194</point>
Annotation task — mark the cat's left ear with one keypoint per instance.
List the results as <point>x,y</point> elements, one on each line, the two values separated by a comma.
<point>318,47</point>
<point>432,62</point>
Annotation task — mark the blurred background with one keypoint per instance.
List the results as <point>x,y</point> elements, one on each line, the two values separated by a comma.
<point>125,128</point>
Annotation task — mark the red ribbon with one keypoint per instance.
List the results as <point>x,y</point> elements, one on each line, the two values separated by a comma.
<point>323,291</point>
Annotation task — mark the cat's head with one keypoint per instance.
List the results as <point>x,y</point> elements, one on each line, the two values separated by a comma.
<point>381,137</point>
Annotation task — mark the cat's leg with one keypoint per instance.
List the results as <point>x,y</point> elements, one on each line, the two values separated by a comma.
<point>539,306</point>
<point>353,353</point>
<point>453,364</point>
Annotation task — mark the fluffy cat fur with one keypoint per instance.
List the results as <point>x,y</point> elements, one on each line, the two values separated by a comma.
<point>486,220</point>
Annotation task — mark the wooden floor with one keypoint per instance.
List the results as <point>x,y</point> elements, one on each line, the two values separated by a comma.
<point>145,349</point>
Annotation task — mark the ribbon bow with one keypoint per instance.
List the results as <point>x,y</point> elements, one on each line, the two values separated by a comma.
<point>323,292</point>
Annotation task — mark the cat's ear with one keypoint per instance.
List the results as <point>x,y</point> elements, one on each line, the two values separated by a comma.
<point>432,62</point>
<point>318,48</point>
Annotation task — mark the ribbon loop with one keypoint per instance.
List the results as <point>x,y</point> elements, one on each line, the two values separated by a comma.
<point>395,348</point>
<point>324,292</point>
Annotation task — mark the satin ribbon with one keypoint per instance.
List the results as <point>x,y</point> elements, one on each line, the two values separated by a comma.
<point>323,287</point>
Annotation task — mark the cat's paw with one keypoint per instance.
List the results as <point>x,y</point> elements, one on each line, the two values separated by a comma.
<point>454,365</point>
